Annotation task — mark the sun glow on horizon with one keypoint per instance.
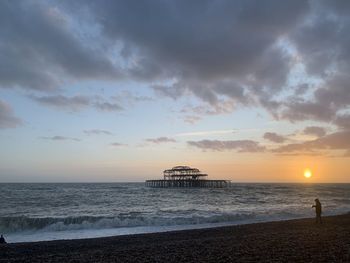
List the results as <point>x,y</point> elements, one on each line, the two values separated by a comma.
<point>307,173</point>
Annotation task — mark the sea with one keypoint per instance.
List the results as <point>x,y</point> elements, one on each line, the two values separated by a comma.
<point>55,211</point>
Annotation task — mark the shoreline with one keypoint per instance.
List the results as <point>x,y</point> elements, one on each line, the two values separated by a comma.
<point>139,230</point>
<point>82,234</point>
<point>295,240</point>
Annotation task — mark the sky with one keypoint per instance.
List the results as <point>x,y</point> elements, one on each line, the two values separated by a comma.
<point>118,91</point>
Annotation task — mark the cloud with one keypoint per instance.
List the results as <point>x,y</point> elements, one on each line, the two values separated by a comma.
<point>251,54</point>
<point>60,138</point>
<point>239,52</point>
<point>191,119</point>
<point>160,140</point>
<point>193,114</point>
<point>223,27</point>
<point>174,91</point>
<point>305,110</point>
<point>274,137</point>
<point>39,47</point>
<point>131,98</point>
<point>108,106</point>
<point>322,43</point>
<point>117,144</point>
<point>230,50</point>
<point>334,141</point>
<point>7,117</point>
<point>225,106</point>
<point>315,130</point>
<point>76,103</point>
<point>97,132</point>
<point>205,133</point>
<point>239,145</point>
<point>343,121</point>
<point>329,100</point>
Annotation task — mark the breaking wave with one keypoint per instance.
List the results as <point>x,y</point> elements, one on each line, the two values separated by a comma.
<point>20,224</point>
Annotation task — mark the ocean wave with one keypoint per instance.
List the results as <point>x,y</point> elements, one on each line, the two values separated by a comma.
<point>21,224</point>
<point>341,200</point>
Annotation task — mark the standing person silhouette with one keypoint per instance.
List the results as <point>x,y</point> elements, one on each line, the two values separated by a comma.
<point>2,240</point>
<point>318,207</point>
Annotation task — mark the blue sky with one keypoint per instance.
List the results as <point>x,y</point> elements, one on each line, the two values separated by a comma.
<point>120,90</point>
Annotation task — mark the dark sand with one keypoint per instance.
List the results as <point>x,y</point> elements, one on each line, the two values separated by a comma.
<point>285,241</point>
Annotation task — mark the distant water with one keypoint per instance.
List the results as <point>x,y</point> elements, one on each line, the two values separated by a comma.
<point>33,212</point>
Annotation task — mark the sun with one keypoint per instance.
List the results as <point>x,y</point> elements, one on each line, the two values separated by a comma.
<point>307,173</point>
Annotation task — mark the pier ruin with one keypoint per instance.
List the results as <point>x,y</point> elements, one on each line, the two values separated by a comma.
<point>185,176</point>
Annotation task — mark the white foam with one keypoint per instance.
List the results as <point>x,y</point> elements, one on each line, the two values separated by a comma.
<point>95,233</point>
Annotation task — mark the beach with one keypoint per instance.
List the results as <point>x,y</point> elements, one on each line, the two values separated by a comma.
<point>299,240</point>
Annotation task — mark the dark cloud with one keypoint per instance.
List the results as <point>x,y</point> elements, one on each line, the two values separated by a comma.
<point>330,99</point>
<point>274,137</point>
<point>160,140</point>
<point>343,121</point>
<point>239,145</point>
<point>209,49</point>
<point>315,130</point>
<point>305,110</point>
<point>7,117</point>
<point>97,132</point>
<point>237,34</point>
<point>39,48</point>
<point>245,52</point>
<point>323,45</point>
<point>301,89</point>
<point>334,141</point>
<point>335,94</point>
<point>237,50</point>
<point>60,138</point>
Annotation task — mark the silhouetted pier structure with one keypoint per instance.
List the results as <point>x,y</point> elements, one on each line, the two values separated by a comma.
<point>184,176</point>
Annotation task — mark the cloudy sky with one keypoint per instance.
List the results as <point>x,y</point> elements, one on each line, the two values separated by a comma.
<point>121,90</point>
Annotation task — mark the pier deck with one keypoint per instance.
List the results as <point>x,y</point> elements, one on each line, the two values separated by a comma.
<point>187,183</point>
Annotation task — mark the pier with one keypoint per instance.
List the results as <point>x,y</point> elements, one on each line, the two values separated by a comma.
<point>184,176</point>
<point>187,183</point>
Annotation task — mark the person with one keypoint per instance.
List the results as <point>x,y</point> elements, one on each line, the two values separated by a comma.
<point>318,207</point>
<point>2,240</point>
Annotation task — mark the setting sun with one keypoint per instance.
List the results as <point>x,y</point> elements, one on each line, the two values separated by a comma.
<point>307,173</point>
